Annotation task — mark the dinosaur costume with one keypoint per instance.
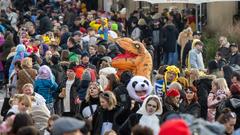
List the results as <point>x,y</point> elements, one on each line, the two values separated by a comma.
<point>136,58</point>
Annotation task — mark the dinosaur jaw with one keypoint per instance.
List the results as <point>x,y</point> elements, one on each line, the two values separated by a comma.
<point>125,56</point>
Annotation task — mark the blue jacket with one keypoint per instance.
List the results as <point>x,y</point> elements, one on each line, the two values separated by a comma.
<point>46,88</point>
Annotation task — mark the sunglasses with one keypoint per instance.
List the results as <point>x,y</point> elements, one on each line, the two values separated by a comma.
<point>105,95</point>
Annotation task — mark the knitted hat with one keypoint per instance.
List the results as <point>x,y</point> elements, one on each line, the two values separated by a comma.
<point>235,89</point>
<point>174,127</point>
<point>84,54</point>
<point>172,93</point>
<point>114,27</point>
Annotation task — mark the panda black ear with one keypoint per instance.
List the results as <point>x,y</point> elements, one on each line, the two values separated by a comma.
<point>145,81</point>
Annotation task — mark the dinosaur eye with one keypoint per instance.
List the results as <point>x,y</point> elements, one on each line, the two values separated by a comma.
<point>137,45</point>
<point>145,81</point>
<point>134,84</point>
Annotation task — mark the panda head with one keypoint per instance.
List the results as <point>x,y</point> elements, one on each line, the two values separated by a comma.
<point>139,87</point>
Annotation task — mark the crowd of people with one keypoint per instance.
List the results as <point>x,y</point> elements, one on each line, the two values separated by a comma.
<point>56,59</point>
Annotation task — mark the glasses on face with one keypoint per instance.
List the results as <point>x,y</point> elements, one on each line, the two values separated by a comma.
<point>150,105</point>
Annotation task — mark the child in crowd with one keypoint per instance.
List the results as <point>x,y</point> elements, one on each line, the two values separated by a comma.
<point>20,103</point>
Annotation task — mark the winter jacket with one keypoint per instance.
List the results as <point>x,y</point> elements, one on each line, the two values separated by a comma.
<point>193,108</point>
<point>24,79</point>
<point>204,86</point>
<point>102,116</point>
<point>234,104</point>
<point>146,32</point>
<point>196,59</point>
<point>73,94</point>
<point>234,59</point>
<point>45,24</point>
<point>225,52</point>
<point>133,120</point>
<point>75,49</point>
<point>186,50</point>
<point>170,35</point>
<point>83,89</point>
<point>58,73</point>
<point>136,34</point>
<point>46,88</point>
<point>88,108</point>
<point>213,100</point>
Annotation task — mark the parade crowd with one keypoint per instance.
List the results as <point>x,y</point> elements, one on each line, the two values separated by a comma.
<point>69,68</point>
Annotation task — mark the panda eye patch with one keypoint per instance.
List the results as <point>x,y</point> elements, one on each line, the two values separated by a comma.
<point>134,84</point>
<point>145,81</point>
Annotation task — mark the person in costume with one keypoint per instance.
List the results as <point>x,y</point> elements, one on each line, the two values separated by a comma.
<point>170,75</point>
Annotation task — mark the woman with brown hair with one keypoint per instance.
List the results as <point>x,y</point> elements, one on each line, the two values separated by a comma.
<point>190,104</point>
<point>228,119</point>
<point>113,82</point>
<point>26,75</point>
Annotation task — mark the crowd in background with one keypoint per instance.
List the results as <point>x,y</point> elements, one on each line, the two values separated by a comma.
<point>55,59</point>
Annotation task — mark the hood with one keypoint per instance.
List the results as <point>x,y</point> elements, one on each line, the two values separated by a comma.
<point>143,110</point>
<point>235,102</point>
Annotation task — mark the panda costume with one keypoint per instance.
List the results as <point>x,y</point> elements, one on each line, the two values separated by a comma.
<point>138,84</point>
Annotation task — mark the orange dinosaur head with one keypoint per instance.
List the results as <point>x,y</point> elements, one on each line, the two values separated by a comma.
<point>131,46</point>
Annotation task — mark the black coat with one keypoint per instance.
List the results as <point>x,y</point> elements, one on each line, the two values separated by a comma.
<point>204,86</point>
<point>225,52</point>
<point>234,104</point>
<point>45,24</point>
<point>186,50</point>
<point>73,95</point>
<point>133,120</point>
<point>170,35</point>
<point>88,106</point>
<point>101,115</point>
<point>234,59</point>
<point>193,108</point>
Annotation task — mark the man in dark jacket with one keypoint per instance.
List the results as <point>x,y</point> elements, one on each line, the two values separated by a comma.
<point>235,55</point>
<point>69,93</point>
<point>45,23</point>
<point>170,35</point>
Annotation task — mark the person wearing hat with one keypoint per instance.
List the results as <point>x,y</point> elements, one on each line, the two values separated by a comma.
<point>69,92</point>
<point>235,55</point>
<point>175,127</point>
<point>85,64</point>
<point>170,75</point>
<point>67,126</point>
<point>195,56</point>
<point>171,101</point>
